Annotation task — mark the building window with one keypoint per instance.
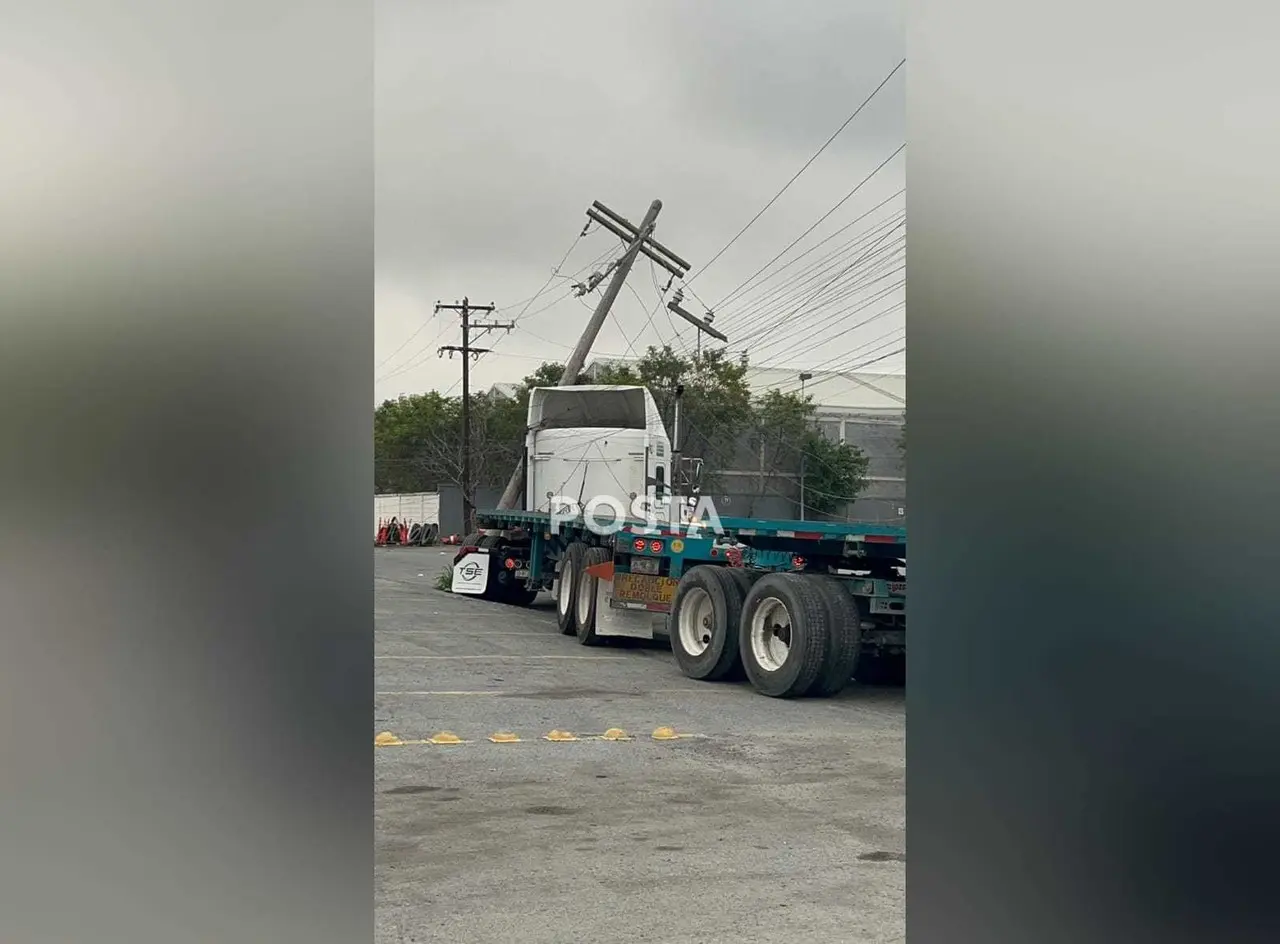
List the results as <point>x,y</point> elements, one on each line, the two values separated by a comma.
<point>830,430</point>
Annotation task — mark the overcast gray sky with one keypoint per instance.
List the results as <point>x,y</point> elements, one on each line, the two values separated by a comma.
<point>499,121</point>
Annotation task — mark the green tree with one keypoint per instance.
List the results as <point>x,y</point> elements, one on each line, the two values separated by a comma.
<point>785,442</point>
<point>780,425</point>
<point>548,374</point>
<point>497,436</point>
<point>410,437</point>
<point>834,473</point>
<point>716,407</point>
<point>417,441</point>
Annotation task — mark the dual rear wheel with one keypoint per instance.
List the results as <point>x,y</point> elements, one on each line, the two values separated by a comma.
<point>790,634</point>
<point>577,592</point>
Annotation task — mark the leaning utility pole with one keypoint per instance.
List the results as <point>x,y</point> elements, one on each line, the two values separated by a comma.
<point>639,241</point>
<point>468,352</point>
<point>573,366</point>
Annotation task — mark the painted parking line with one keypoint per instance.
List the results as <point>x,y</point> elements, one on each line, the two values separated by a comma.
<point>509,655</point>
<point>531,634</point>
<point>534,693</point>
<point>420,694</point>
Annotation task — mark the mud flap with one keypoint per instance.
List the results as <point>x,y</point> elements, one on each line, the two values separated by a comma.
<point>471,574</point>
<point>633,620</point>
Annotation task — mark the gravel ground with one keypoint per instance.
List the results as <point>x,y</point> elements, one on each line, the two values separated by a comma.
<point>765,820</point>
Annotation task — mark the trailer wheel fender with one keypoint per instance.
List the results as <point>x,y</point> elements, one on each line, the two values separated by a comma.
<point>783,636</point>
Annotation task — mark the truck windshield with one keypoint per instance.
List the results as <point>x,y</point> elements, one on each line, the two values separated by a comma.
<point>586,408</point>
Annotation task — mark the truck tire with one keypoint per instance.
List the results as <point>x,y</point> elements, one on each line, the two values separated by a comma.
<point>499,582</point>
<point>844,622</point>
<point>783,636</point>
<point>743,581</point>
<point>523,596</point>
<point>570,568</point>
<point>703,622</point>
<point>585,595</point>
<point>743,578</point>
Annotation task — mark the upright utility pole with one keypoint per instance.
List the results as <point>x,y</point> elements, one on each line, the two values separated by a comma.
<point>803,468</point>
<point>468,352</point>
<point>640,241</point>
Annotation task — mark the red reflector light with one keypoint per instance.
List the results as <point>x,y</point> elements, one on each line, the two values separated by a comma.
<point>656,547</point>
<point>797,562</point>
<point>510,564</point>
<point>639,544</point>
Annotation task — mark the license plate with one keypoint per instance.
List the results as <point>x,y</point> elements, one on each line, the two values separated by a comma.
<point>522,573</point>
<point>643,588</point>
<point>645,565</point>
<point>888,607</point>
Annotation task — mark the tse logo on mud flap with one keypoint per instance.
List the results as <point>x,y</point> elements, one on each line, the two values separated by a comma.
<point>471,574</point>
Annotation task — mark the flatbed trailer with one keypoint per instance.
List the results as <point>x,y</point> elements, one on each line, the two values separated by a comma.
<point>799,607</point>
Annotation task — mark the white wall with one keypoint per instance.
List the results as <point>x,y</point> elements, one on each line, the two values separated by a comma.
<point>416,508</point>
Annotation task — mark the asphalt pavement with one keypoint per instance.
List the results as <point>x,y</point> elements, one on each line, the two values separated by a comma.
<point>759,820</point>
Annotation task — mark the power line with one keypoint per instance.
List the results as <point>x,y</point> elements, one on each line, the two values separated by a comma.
<point>854,368</point>
<point>569,293</point>
<point>826,340</point>
<point>851,352</point>
<point>749,302</point>
<point>403,345</point>
<point>648,322</point>
<point>728,298</point>
<point>878,339</point>
<point>417,359</point>
<point>797,174</point>
<point>788,311</point>
<point>424,354</point>
<point>839,203</point>
<point>662,294</point>
<point>554,272</point>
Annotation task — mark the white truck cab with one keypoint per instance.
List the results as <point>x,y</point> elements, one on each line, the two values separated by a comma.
<point>590,442</point>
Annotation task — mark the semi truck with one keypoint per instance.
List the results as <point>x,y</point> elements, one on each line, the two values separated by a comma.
<point>800,608</point>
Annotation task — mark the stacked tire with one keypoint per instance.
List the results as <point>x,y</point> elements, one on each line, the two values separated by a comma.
<point>792,635</point>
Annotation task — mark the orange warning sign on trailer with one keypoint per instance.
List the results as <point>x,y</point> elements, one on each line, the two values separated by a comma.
<point>642,588</point>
